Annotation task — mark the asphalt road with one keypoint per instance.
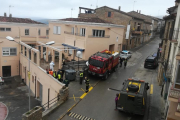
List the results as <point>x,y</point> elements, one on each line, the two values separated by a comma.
<point>99,104</point>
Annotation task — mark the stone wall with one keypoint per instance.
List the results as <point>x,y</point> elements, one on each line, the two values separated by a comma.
<point>64,93</point>
<point>34,114</point>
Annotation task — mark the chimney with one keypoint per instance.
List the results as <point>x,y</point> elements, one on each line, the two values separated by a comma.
<point>176,3</point>
<point>140,11</point>
<point>5,15</point>
<point>119,8</point>
<point>137,11</point>
<point>10,15</point>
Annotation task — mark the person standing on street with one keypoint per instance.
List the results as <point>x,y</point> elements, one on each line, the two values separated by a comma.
<point>87,84</point>
<point>62,71</point>
<point>116,100</point>
<point>66,82</point>
<point>125,63</point>
<point>120,61</point>
<point>81,77</point>
<point>52,65</point>
<point>50,72</point>
<point>61,79</point>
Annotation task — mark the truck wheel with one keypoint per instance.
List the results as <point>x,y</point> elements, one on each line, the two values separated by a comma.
<point>106,76</point>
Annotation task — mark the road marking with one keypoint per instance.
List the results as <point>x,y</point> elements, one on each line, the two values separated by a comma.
<point>151,91</point>
<point>78,116</point>
<point>83,90</point>
<point>82,96</point>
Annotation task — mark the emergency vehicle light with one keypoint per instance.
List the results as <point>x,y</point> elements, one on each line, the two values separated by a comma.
<point>130,79</point>
<point>141,80</point>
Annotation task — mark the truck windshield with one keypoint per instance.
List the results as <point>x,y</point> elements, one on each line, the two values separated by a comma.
<point>96,63</point>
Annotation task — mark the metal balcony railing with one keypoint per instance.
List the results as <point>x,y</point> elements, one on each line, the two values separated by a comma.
<point>71,33</point>
<point>92,36</point>
<point>78,34</point>
<point>174,93</point>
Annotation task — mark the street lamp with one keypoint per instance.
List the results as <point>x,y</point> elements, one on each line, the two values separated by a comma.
<point>78,54</point>
<point>48,43</point>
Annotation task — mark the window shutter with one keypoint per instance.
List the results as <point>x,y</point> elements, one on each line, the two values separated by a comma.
<point>54,30</point>
<point>59,30</point>
<point>81,31</point>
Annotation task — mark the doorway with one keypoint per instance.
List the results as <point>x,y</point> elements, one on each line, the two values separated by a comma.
<point>111,47</point>
<point>6,71</point>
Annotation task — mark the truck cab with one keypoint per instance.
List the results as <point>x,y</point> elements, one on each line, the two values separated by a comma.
<point>133,97</point>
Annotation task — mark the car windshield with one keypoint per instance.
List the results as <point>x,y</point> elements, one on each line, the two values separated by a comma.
<point>96,63</point>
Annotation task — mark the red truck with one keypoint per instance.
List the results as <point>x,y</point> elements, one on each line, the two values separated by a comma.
<point>102,63</point>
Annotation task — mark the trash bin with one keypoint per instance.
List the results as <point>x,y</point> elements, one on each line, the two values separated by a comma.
<point>70,75</point>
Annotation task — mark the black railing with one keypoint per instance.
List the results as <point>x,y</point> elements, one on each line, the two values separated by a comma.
<point>50,102</point>
<point>71,33</point>
<point>105,36</point>
<point>78,34</point>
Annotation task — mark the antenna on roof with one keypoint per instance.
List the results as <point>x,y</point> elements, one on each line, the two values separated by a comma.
<point>71,12</point>
<point>133,5</point>
<point>97,4</point>
<point>9,9</point>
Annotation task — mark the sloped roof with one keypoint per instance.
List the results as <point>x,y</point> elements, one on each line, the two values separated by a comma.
<point>93,20</point>
<point>142,16</point>
<point>18,20</point>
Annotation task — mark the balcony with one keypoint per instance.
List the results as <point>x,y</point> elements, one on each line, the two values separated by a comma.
<point>70,33</point>
<point>174,94</point>
<point>78,34</point>
<point>137,32</point>
<point>92,36</point>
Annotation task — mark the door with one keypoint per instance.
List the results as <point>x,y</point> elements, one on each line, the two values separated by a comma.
<point>40,92</point>
<point>111,47</point>
<point>6,71</point>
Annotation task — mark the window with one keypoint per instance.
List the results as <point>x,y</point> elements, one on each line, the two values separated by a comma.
<point>70,52</point>
<point>57,30</point>
<point>98,33</point>
<point>72,30</point>
<point>5,29</point>
<point>8,29</point>
<point>109,14</point>
<point>26,31</point>
<point>65,49</point>
<point>39,32</point>
<point>82,31</point>
<point>9,51</point>
<point>177,74</point>
<point>47,32</point>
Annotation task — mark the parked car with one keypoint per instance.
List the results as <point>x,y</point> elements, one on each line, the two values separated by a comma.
<point>151,62</point>
<point>125,52</point>
<point>123,56</point>
<point>1,81</point>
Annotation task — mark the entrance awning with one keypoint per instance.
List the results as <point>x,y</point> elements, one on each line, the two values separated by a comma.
<point>73,47</point>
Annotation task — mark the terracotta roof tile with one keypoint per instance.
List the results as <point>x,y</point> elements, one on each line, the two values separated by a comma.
<point>93,20</point>
<point>18,20</point>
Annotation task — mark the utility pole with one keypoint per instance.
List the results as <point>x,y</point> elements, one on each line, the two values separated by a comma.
<point>9,9</point>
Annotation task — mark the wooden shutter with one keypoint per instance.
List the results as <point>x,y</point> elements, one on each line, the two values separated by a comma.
<point>54,30</point>
<point>59,30</point>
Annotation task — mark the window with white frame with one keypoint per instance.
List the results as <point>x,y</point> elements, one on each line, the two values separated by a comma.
<point>65,49</point>
<point>9,51</point>
<point>81,55</point>
<point>26,31</point>
<point>57,30</point>
<point>82,32</point>
<point>98,33</point>
<point>5,29</point>
<point>70,51</point>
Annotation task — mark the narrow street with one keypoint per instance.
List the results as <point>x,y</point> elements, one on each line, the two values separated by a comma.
<point>99,104</point>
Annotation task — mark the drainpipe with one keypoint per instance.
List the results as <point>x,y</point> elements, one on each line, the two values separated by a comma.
<point>130,31</point>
